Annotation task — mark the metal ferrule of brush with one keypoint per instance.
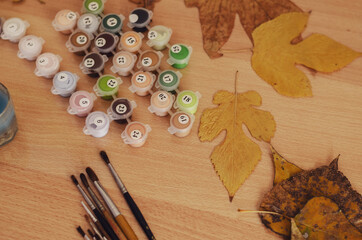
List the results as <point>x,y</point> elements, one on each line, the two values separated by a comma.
<point>95,199</point>
<point>117,179</point>
<point>89,212</point>
<point>85,196</point>
<point>112,207</point>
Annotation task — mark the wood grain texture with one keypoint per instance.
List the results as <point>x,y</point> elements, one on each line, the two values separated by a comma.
<point>171,179</point>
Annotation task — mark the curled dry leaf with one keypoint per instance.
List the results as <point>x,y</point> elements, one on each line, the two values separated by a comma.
<point>291,195</point>
<point>274,56</point>
<point>295,232</point>
<point>217,18</point>
<point>236,157</point>
<point>321,219</point>
<point>282,168</point>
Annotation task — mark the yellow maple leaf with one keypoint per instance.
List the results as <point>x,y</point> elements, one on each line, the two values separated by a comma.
<point>274,57</point>
<point>236,157</point>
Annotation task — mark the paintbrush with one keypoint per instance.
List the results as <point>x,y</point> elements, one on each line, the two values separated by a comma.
<point>81,232</point>
<point>98,214</point>
<point>122,222</point>
<point>97,227</point>
<point>131,203</point>
<point>106,214</point>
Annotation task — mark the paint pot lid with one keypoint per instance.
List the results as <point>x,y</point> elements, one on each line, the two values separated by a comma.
<point>108,83</point>
<point>47,63</point>
<point>181,121</point>
<point>135,132</point>
<point>162,100</point>
<point>105,40</point>
<point>88,23</point>
<point>93,6</point>
<point>30,45</point>
<point>14,27</point>
<point>97,121</point>
<point>93,61</point>
<point>65,81</point>
<point>169,79</point>
<point>187,99</point>
<point>140,17</point>
<point>131,39</point>
<point>65,20</point>
<point>121,108</point>
<point>112,22</point>
<point>124,59</point>
<point>179,51</point>
<point>81,101</point>
<point>142,79</point>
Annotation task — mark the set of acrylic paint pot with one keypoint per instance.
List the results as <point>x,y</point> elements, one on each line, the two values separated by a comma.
<point>104,31</point>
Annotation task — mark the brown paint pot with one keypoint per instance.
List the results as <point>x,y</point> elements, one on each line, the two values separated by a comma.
<point>149,60</point>
<point>136,134</point>
<point>181,124</point>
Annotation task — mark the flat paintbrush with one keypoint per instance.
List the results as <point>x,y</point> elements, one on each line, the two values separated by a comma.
<point>131,203</point>
<point>98,214</point>
<point>122,222</point>
<point>81,232</point>
<point>105,212</point>
<point>97,227</point>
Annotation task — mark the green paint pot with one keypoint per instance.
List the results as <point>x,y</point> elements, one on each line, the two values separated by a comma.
<point>93,6</point>
<point>168,80</point>
<point>179,55</point>
<point>112,23</point>
<point>107,86</point>
<point>187,101</point>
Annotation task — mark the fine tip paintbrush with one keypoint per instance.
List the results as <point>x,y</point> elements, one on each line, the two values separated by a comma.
<point>122,222</point>
<point>81,232</point>
<point>97,227</point>
<point>98,214</point>
<point>105,212</point>
<point>131,203</point>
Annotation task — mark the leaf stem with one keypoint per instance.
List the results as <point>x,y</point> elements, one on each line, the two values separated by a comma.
<point>262,212</point>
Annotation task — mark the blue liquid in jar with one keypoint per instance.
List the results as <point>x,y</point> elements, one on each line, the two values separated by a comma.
<point>8,125</point>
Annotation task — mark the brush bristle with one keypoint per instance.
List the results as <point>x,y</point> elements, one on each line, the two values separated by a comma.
<point>91,174</point>
<point>104,156</point>
<point>74,180</point>
<point>84,180</point>
<point>80,230</point>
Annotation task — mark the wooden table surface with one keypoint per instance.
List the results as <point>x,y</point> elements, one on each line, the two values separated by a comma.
<point>171,179</point>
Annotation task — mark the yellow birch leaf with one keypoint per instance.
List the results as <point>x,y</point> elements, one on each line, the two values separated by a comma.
<point>236,157</point>
<point>274,56</point>
<point>282,168</point>
<point>322,219</point>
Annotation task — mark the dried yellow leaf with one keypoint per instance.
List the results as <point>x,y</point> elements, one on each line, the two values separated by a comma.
<point>322,219</point>
<point>236,157</point>
<point>282,168</point>
<point>296,234</point>
<point>274,56</point>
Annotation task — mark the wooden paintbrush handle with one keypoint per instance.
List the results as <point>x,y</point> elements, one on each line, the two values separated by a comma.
<point>114,225</point>
<point>126,228</point>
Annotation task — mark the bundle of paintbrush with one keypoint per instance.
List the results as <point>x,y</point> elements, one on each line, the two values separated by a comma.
<point>107,224</point>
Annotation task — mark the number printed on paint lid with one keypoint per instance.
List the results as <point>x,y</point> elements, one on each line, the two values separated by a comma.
<point>112,22</point>
<point>187,99</point>
<point>93,6</point>
<point>87,21</point>
<point>147,61</point>
<point>81,39</point>
<point>100,42</point>
<point>141,78</point>
<point>131,41</point>
<point>152,34</point>
<point>71,16</point>
<point>99,121</point>
<point>13,27</point>
<point>30,43</point>
<point>89,62</point>
<point>162,97</point>
<point>121,60</point>
<point>176,48</point>
<point>167,78</point>
<point>183,119</point>
<point>121,108</point>
<point>62,77</point>
<point>84,102</point>
<point>112,83</point>
<point>43,61</point>
<point>136,134</point>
